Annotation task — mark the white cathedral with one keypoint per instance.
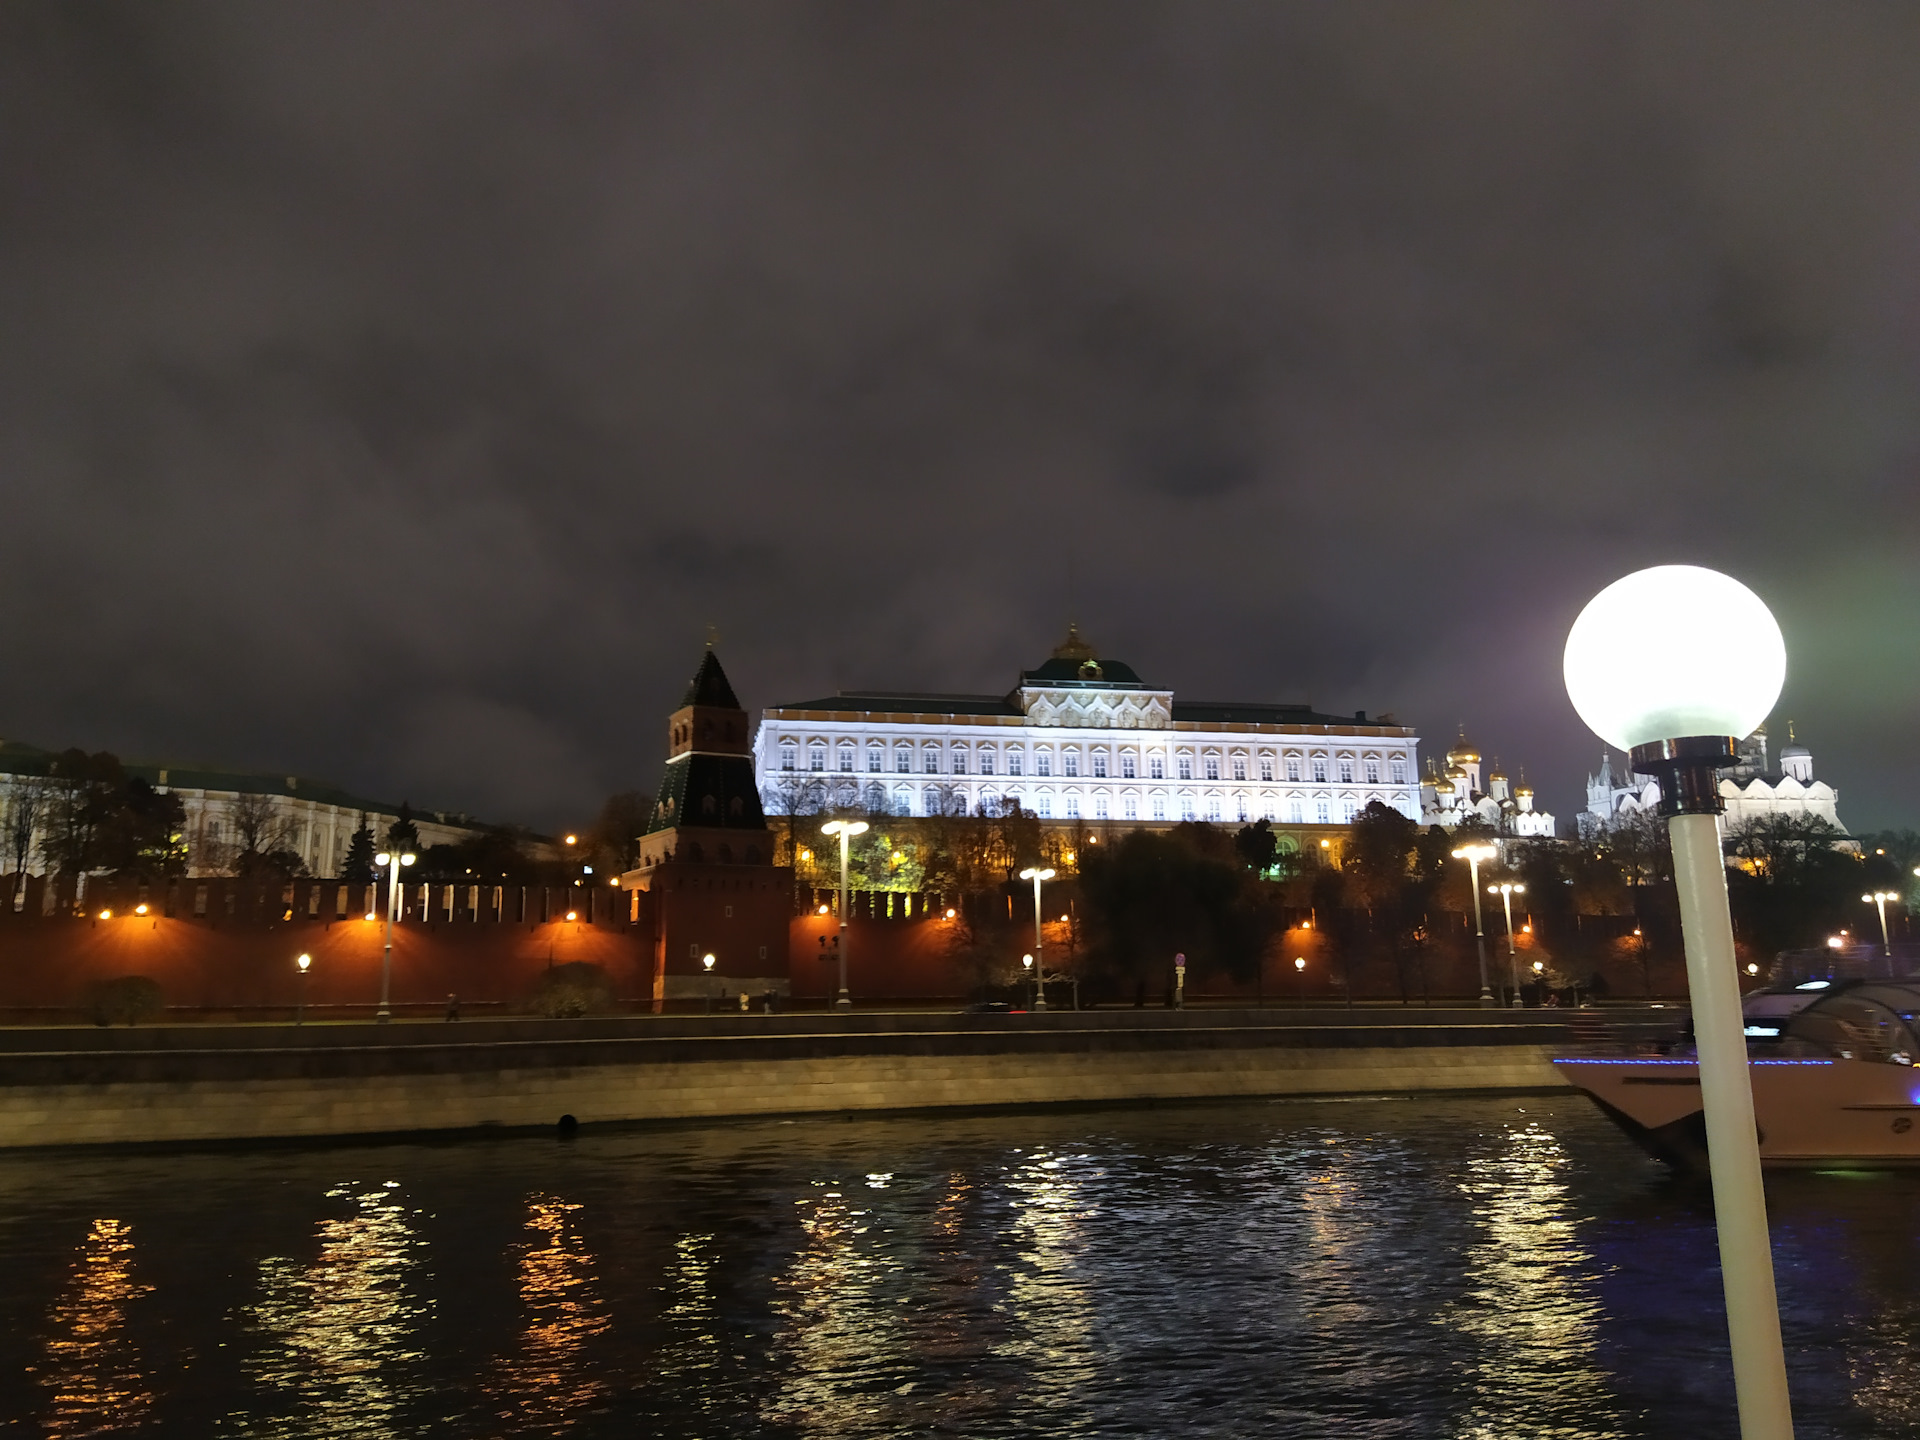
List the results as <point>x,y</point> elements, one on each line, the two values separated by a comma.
<point>1084,739</point>
<point>1455,797</point>
<point>1750,790</point>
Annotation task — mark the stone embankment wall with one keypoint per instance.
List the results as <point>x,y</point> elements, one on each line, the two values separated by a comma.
<point>216,1084</point>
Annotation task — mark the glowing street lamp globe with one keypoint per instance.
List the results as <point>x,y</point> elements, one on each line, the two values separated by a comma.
<point>1671,652</point>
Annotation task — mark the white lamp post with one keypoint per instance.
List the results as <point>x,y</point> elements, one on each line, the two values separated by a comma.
<point>846,830</point>
<point>1036,874</point>
<point>1879,899</point>
<point>300,1005</point>
<point>1300,969</point>
<point>706,963</point>
<point>1473,855</point>
<point>1506,894</point>
<point>1674,665</point>
<point>394,864</point>
<point>1026,965</point>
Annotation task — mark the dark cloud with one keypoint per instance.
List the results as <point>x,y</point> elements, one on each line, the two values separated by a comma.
<point>397,392</point>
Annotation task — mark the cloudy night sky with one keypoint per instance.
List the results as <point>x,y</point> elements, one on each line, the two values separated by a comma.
<point>395,393</point>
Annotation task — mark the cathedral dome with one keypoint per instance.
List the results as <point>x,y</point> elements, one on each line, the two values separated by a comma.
<point>1443,786</point>
<point>1463,754</point>
<point>1454,771</point>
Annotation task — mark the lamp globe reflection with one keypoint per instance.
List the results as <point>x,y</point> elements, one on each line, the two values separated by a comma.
<point>1674,651</point>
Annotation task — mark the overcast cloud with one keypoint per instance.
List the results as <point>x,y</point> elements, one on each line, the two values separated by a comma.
<point>396,392</point>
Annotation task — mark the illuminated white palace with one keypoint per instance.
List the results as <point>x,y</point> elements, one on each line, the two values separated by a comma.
<point>1083,739</point>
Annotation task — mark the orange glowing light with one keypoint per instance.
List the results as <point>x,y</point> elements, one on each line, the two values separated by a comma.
<point>573,915</point>
<point>106,914</point>
<point>823,909</point>
<point>140,909</point>
<point>952,913</point>
<point>573,839</point>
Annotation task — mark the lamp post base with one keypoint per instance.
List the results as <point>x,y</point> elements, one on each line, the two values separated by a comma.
<point>1487,1002</point>
<point>845,1002</point>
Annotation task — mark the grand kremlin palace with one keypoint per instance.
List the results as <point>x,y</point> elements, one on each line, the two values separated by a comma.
<point>1082,739</point>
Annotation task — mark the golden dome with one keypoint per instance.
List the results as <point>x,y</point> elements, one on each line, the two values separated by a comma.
<point>1462,753</point>
<point>1443,787</point>
<point>1523,789</point>
<point>1454,772</point>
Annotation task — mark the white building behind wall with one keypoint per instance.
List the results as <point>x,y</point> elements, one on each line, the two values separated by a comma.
<point>1083,739</point>
<point>312,819</point>
<point>1750,790</point>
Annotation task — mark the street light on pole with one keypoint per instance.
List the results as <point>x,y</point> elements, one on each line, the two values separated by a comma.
<point>394,864</point>
<point>1036,874</point>
<point>1674,665</point>
<point>1506,893</point>
<point>300,1005</point>
<point>1879,899</point>
<point>846,830</point>
<point>1473,855</point>
<point>706,963</point>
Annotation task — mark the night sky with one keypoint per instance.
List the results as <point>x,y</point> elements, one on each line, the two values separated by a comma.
<point>396,393</point>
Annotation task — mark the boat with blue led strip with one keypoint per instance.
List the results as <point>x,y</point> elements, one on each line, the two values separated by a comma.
<point>1832,1063</point>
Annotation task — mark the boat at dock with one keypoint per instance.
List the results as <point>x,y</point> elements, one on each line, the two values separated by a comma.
<point>1832,1064</point>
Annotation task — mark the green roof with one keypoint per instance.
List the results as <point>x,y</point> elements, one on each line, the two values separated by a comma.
<point>709,686</point>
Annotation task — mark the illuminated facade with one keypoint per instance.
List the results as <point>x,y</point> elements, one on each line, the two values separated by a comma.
<point>1085,740</point>
<point>1751,790</point>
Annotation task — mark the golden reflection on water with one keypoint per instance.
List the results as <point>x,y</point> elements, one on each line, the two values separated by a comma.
<point>91,1368</point>
<point>840,1328</point>
<point>1048,1295</point>
<point>340,1333</point>
<point>1530,1304</point>
<point>544,1383</point>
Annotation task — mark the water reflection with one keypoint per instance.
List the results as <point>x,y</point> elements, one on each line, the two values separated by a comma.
<point>1049,1299</point>
<point>91,1369</point>
<point>1530,1303</point>
<point>838,1336</point>
<point>340,1335</point>
<point>545,1384</point>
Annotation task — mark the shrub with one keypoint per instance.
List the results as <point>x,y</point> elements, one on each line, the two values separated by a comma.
<point>123,1000</point>
<point>576,988</point>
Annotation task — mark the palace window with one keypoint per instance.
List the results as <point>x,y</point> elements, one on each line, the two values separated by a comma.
<point>903,762</point>
<point>1346,811</point>
<point>1043,805</point>
<point>1320,769</point>
<point>1159,807</point>
<point>1295,812</point>
<point>1100,807</point>
<point>1399,770</point>
<point>932,798</point>
<point>1239,767</point>
<point>1043,764</point>
<point>1100,766</point>
<point>930,761</point>
<point>1213,767</point>
<point>846,761</point>
<point>1013,762</point>
<point>1373,772</point>
<point>1126,767</point>
<point>1130,807</point>
<point>1186,807</point>
<point>1156,768</point>
<point>1186,767</point>
<point>1070,764</point>
<point>986,762</point>
<point>816,759</point>
<point>1242,803</point>
<point>1213,807</point>
<point>1346,772</point>
<point>1321,811</point>
<point>959,762</point>
<point>1266,768</point>
<point>1293,768</point>
<point>1073,807</point>
<point>873,760</point>
<point>786,757</point>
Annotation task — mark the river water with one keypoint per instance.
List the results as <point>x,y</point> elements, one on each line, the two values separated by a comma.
<point>1377,1268</point>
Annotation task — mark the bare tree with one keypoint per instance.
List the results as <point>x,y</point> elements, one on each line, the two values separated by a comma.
<point>262,835</point>
<point>26,816</point>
